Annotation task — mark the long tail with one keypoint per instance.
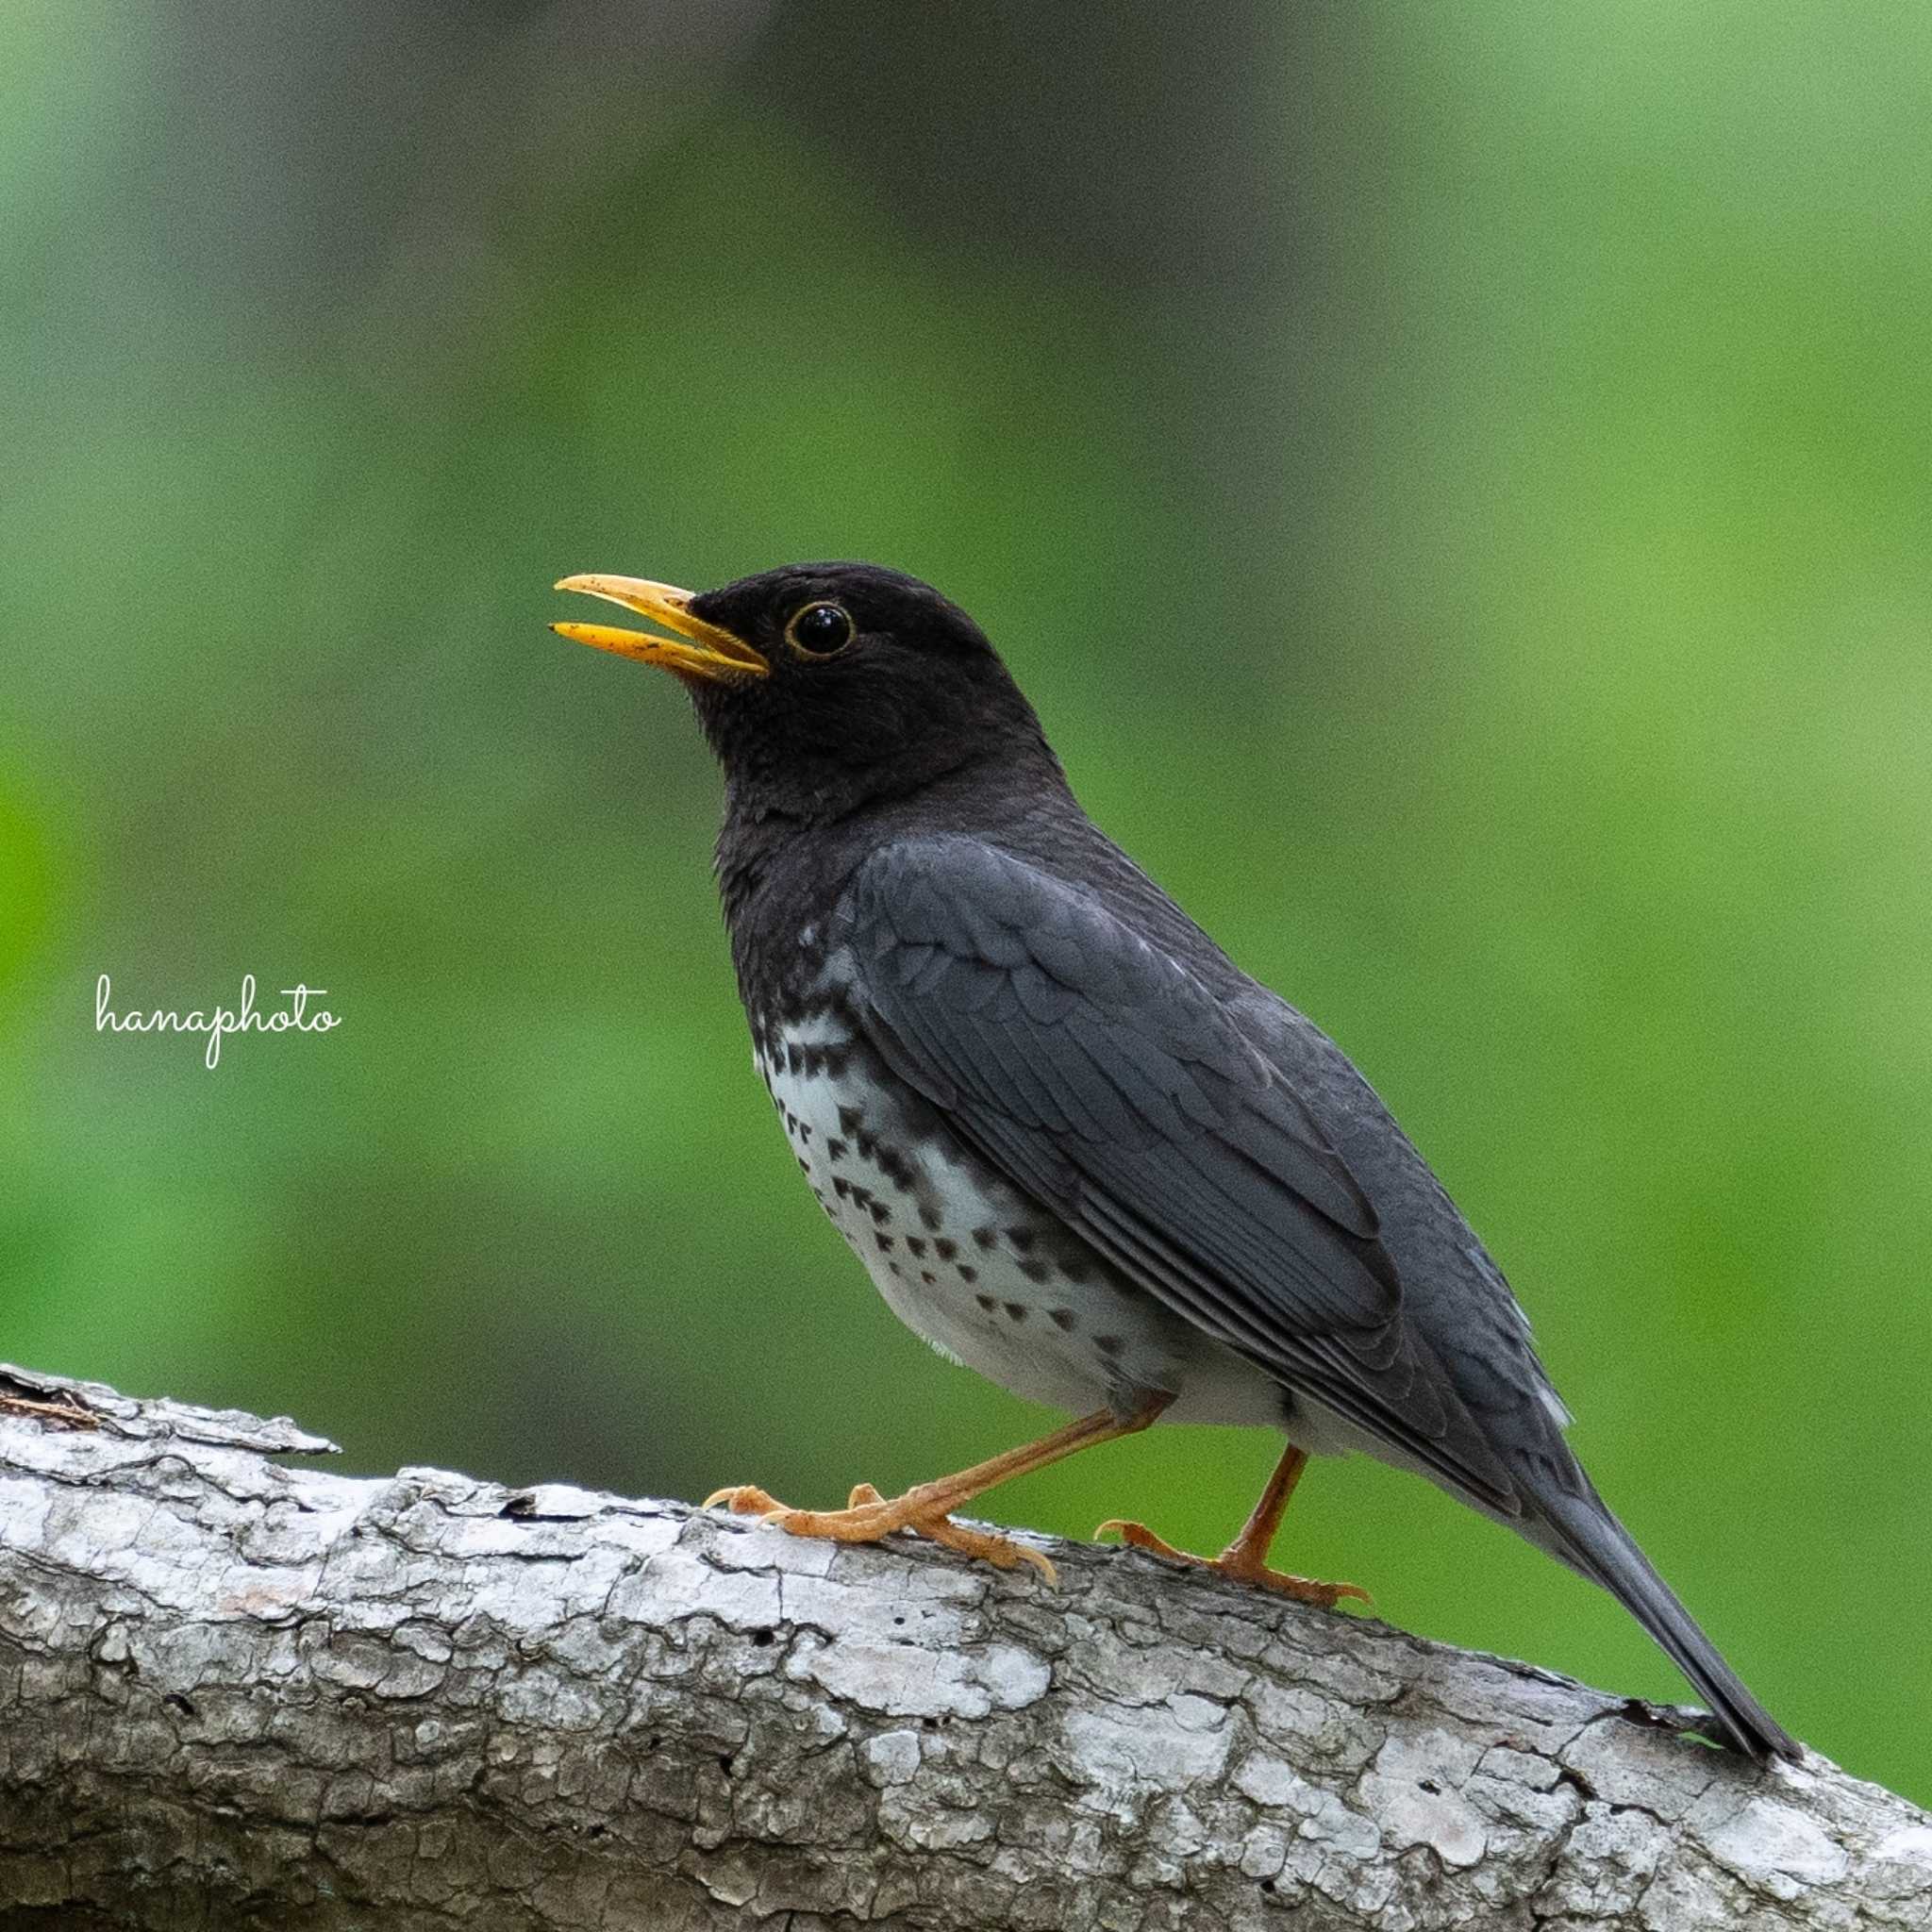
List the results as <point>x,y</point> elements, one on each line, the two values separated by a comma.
<point>1587,1536</point>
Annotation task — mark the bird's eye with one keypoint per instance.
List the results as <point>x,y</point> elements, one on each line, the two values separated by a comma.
<point>819,630</point>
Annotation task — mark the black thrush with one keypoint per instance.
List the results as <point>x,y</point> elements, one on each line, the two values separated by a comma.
<point>1075,1147</point>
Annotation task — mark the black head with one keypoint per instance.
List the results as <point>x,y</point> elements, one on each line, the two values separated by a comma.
<point>824,687</point>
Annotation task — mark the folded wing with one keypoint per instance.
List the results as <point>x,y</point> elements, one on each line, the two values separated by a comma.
<point>1103,1077</point>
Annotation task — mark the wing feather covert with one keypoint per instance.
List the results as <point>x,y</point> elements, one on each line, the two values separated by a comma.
<point>1105,1079</point>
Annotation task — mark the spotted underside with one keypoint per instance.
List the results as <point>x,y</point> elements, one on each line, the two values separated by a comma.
<point>970,1263</point>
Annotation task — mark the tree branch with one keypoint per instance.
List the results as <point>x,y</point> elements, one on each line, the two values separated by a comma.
<point>238,1694</point>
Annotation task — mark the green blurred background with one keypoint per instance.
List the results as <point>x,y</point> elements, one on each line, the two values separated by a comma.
<point>1454,479</point>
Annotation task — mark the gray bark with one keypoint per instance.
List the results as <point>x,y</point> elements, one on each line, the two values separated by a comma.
<point>234,1693</point>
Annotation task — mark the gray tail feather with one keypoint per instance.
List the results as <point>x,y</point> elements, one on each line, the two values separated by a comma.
<point>1588,1537</point>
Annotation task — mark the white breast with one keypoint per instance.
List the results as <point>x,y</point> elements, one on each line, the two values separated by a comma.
<point>950,1245</point>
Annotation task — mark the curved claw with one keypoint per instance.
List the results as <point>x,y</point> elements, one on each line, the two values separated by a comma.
<point>1304,1590</point>
<point>1236,1565</point>
<point>1137,1536</point>
<point>1001,1552</point>
<point>869,1518</point>
<point>744,1499</point>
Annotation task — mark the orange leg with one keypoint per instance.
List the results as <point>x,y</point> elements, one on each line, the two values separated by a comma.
<point>1246,1557</point>
<point>927,1507</point>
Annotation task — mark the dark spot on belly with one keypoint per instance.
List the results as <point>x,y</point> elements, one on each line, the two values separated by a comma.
<point>985,1236</point>
<point>835,1150</point>
<point>1108,1345</point>
<point>1036,1270</point>
<point>805,1132</point>
<point>969,1276</point>
<point>927,1275</point>
<point>944,1249</point>
<point>1022,1239</point>
<point>929,1215</point>
<point>884,1243</point>
<point>879,1212</point>
<point>915,1244</point>
<point>1061,1319</point>
<point>849,1118</point>
<point>893,1267</point>
<point>987,1302</point>
<point>1016,1311</point>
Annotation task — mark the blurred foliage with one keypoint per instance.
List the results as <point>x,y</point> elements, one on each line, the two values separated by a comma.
<point>1455,481</point>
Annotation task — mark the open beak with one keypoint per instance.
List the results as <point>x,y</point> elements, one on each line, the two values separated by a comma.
<point>699,649</point>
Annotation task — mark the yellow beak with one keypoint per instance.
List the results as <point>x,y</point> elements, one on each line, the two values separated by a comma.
<point>707,651</point>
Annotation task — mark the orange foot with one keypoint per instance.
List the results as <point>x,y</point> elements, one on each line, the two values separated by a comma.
<point>927,1507</point>
<point>870,1517</point>
<point>1241,1561</point>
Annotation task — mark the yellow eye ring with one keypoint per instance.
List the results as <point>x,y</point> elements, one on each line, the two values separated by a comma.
<point>820,630</point>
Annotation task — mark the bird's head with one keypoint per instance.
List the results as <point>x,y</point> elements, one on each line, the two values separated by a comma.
<point>824,687</point>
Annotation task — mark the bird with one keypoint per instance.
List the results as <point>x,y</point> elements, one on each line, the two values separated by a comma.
<point>1077,1148</point>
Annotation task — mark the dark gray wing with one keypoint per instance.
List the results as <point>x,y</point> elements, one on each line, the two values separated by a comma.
<point>1103,1079</point>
